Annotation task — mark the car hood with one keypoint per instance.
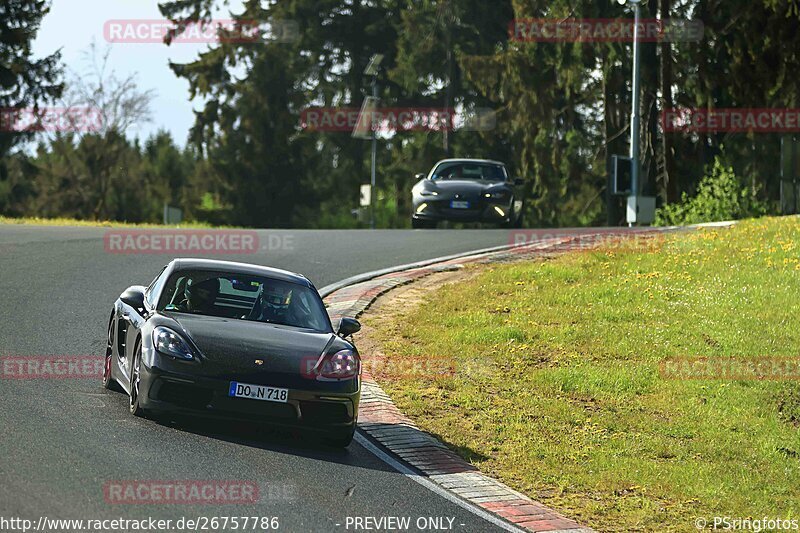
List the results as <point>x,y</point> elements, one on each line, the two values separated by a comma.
<point>467,187</point>
<point>228,347</point>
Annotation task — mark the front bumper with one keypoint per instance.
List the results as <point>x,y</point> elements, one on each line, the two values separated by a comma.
<point>479,210</point>
<point>184,394</point>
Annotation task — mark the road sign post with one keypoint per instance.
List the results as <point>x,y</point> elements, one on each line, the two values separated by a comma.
<point>361,132</point>
<point>374,160</point>
<point>790,175</point>
<point>366,196</point>
<point>621,175</point>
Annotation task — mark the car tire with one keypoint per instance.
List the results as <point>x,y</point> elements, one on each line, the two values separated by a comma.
<point>108,380</point>
<point>133,395</point>
<point>337,439</point>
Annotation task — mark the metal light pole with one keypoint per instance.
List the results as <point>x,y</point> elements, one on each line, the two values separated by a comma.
<point>373,69</point>
<point>635,119</point>
<point>374,160</point>
<point>633,200</point>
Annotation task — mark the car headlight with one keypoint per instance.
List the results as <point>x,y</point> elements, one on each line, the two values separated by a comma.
<point>343,364</point>
<point>426,192</point>
<point>167,342</point>
<point>497,195</point>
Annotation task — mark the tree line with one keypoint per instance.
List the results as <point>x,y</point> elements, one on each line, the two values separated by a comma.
<point>561,110</point>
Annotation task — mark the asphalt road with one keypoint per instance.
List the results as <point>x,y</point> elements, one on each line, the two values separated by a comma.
<point>62,440</point>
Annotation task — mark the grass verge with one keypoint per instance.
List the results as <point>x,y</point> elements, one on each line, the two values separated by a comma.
<point>35,221</point>
<point>558,390</point>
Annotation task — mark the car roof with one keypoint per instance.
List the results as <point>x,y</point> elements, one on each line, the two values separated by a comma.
<point>470,160</point>
<point>239,268</point>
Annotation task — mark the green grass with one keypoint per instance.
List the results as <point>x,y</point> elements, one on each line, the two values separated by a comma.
<point>558,391</point>
<point>35,221</point>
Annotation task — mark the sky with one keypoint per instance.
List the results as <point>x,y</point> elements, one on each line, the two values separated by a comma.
<point>72,24</point>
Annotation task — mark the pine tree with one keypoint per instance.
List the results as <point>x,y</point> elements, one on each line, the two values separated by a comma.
<point>25,81</point>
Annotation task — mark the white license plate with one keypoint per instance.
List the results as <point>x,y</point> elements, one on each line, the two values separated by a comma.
<point>458,204</point>
<point>258,392</point>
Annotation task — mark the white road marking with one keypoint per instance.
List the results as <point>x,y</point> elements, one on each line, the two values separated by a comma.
<point>433,487</point>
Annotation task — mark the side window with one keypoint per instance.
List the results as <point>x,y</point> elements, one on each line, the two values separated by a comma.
<point>155,288</point>
<point>172,293</point>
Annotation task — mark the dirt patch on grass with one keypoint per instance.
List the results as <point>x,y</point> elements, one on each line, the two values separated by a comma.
<point>789,403</point>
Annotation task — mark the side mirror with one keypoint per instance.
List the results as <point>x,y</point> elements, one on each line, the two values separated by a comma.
<point>519,181</point>
<point>419,176</point>
<point>348,326</point>
<point>134,297</point>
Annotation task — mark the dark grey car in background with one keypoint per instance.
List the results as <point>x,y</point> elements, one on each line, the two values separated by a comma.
<point>467,190</point>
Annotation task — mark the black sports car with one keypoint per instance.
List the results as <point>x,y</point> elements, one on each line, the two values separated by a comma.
<point>235,341</point>
<point>467,190</point>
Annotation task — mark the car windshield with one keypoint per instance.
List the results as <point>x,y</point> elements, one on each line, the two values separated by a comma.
<point>242,297</point>
<point>469,171</point>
